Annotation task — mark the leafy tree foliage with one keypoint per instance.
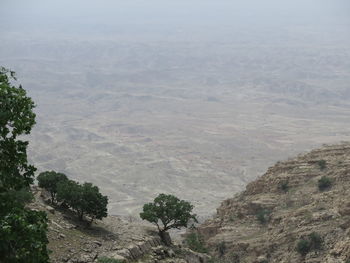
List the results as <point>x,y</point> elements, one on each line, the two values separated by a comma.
<point>95,204</point>
<point>49,180</point>
<point>84,199</point>
<point>23,237</point>
<point>167,211</point>
<point>16,118</point>
<point>22,232</point>
<point>69,192</point>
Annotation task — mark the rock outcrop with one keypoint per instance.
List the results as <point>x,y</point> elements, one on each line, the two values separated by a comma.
<point>266,222</point>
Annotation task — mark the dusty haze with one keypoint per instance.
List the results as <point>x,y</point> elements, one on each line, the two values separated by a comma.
<point>194,98</point>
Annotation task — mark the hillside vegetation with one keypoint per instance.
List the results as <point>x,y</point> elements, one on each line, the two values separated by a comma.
<point>298,211</point>
<point>113,238</point>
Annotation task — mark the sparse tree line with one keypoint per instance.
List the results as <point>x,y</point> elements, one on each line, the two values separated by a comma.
<point>84,199</point>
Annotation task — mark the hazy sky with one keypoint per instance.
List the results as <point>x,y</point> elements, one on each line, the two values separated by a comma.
<point>53,14</point>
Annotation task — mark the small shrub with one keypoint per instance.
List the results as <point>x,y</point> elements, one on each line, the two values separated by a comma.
<point>195,243</point>
<point>221,247</point>
<point>303,246</point>
<point>321,164</point>
<point>284,186</point>
<point>324,183</point>
<point>315,240</point>
<point>263,216</point>
<point>109,260</point>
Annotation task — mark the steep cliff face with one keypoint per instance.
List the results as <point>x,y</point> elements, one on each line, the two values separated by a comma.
<point>298,211</point>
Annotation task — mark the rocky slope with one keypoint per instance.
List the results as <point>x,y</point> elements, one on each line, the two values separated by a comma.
<point>115,238</point>
<point>285,209</point>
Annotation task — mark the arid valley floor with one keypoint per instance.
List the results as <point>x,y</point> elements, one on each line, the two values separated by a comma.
<point>198,119</point>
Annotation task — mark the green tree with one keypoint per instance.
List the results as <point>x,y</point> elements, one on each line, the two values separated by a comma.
<point>49,181</point>
<point>16,118</point>
<point>70,193</point>
<point>84,199</point>
<point>167,212</point>
<point>22,232</point>
<point>23,237</point>
<point>95,204</point>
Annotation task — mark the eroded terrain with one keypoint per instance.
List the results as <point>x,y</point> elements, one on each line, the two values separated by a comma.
<point>198,119</point>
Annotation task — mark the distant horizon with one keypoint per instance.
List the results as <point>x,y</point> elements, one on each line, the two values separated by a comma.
<point>192,98</point>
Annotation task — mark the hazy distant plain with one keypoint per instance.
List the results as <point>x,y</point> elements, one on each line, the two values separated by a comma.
<point>180,111</point>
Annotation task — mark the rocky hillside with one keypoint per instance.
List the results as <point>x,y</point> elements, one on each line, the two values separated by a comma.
<point>289,214</point>
<point>298,211</point>
<point>114,238</point>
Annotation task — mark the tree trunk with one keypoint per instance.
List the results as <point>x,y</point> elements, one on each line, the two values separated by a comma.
<point>165,237</point>
<point>52,198</point>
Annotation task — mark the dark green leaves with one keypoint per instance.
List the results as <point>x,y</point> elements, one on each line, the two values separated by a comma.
<point>22,232</point>
<point>16,118</point>
<point>168,210</point>
<point>95,204</point>
<point>49,180</point>
<point>16,114</point>
<point>23,237</point>
<point>85,199</point>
